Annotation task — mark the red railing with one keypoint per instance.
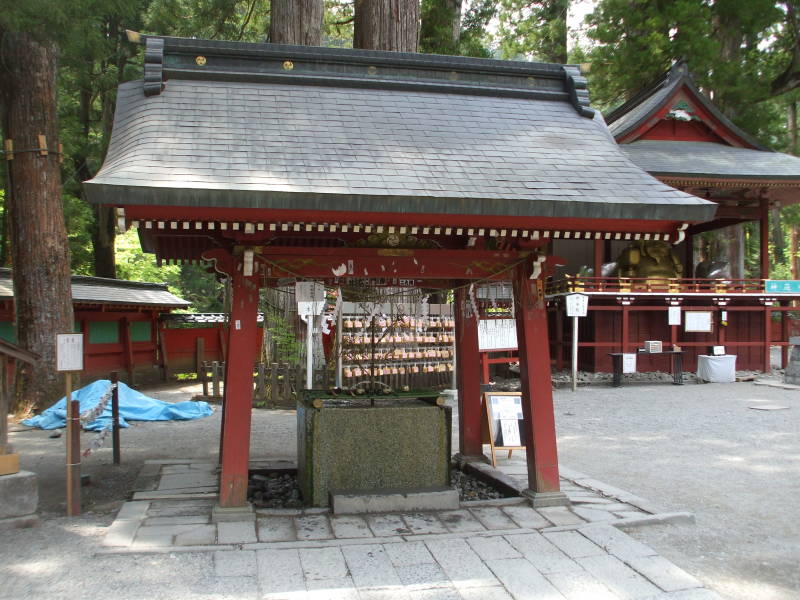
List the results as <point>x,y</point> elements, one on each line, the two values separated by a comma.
<point>621,285</point>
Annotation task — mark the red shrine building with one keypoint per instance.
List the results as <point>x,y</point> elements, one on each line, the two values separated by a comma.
<point>675,133</point>
<point>121,322</point>
<point>280,163</point>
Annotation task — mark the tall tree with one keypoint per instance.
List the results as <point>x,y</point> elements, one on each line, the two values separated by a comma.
<point>39,251</point>
<point>440,31</point>
<point>534,29</point>
<point>297,22</point>
<point>387,25</point>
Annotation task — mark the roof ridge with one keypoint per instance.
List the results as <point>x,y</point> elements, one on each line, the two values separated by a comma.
<point>7,273</point>
<point>666,78</point>
<point>213,60</point>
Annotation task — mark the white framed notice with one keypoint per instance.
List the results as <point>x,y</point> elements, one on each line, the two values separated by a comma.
<point>497,334</point>
<point>69,352</point>
<point>577,305</point>
<point>674,315</point>
<point>629,363</point>
<point>310,296</point>
<point>698,320</point>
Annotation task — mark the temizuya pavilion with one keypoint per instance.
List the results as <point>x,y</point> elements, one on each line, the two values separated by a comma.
<point>274,161</point>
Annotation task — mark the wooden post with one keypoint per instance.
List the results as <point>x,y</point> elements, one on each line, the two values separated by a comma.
<point>785,335</point>
<point>199,355</point>
<point>764,238</point>
<point>4,404</point>
<point>162,344</point>
<point>468,376</point>
<point>273,383</point>
<point>688,259</point>
<point>115,416</point>
<point>767,338</point>
<point>242,353</point>
<point>215,378</point>
<point>537,389</point>
<point>599,257</point>
<point>625,328</point>
<point>73,451</point>
<point>127,348</point>
<point>261,382</point>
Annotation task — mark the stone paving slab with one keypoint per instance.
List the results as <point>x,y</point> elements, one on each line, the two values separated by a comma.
<point>485,551</point>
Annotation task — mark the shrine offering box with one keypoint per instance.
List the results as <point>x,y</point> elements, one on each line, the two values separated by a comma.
<point>652,346</point>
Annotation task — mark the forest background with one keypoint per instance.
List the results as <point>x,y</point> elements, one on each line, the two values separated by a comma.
<point>744,53</point>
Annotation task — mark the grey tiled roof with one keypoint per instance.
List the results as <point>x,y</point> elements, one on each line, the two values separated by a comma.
<point>646,103</point>
<point>324,147</point>
<point>696,159</point>
<point>99,290</point>
<point>628,120</point>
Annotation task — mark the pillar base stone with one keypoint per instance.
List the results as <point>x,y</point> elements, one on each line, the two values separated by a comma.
<point>220,514</point>
<point>542,499</point>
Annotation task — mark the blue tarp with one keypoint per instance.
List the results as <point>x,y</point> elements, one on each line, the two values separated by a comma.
<point>133,406</point>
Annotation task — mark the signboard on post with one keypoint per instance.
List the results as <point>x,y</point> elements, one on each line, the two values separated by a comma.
<point>577,305</point>
<point>69,352</point>
<point>310,297</point>
<point>69,358</point>
<point>503,426</point>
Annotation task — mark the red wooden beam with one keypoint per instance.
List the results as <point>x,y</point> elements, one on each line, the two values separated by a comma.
<point>388,263</point>
<point>468,376</point>
<point>537,389</point>
<point>228,214</point>
<point>242,336</point>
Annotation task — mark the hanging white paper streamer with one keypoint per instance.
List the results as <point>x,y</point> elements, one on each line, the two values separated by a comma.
<point>473,302</point>
<point>91,414</point>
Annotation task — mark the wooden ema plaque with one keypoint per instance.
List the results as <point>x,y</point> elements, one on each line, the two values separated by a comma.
<point>502,427</point>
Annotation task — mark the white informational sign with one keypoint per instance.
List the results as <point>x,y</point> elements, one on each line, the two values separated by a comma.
<point>310,297</point>
<point>674,315</point>
<point>629,363</point>
<point>510,431</point>
<point>506,408</point>
<point>69,352</point>
<point>698,320</point>
<point>577,305</point>
<point>497,334</point>
<point>718,350</point>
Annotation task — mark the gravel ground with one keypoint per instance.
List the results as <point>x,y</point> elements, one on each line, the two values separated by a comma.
<point>700,448</point>
<point>697,448</point>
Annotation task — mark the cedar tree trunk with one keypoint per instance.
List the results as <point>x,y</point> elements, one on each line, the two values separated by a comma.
<point>386,25</point>
<point>39,250</point>
<point>441,26</point>
<point>297,22</point>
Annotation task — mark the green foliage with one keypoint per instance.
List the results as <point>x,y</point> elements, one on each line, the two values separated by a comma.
<point>135,265</point>
<point>287,346</point>
<point>79,220</point>
<point>239,20</point>
<point>337,24</point>
<point>202,289</point>
<point>735,48</point>
<point>439,33</point>
<point>533,30</point>
<point>475,40</point>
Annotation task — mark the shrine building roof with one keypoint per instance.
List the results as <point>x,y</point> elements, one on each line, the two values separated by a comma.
<point>672,129</point>
<point>262,126</point>
<point>101,290</point>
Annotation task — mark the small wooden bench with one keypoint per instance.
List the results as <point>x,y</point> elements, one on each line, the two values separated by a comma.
<point>676,364</point>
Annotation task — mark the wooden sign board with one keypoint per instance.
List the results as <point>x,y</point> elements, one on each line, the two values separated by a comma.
<point>503,428</point>
<point>69,352</point>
